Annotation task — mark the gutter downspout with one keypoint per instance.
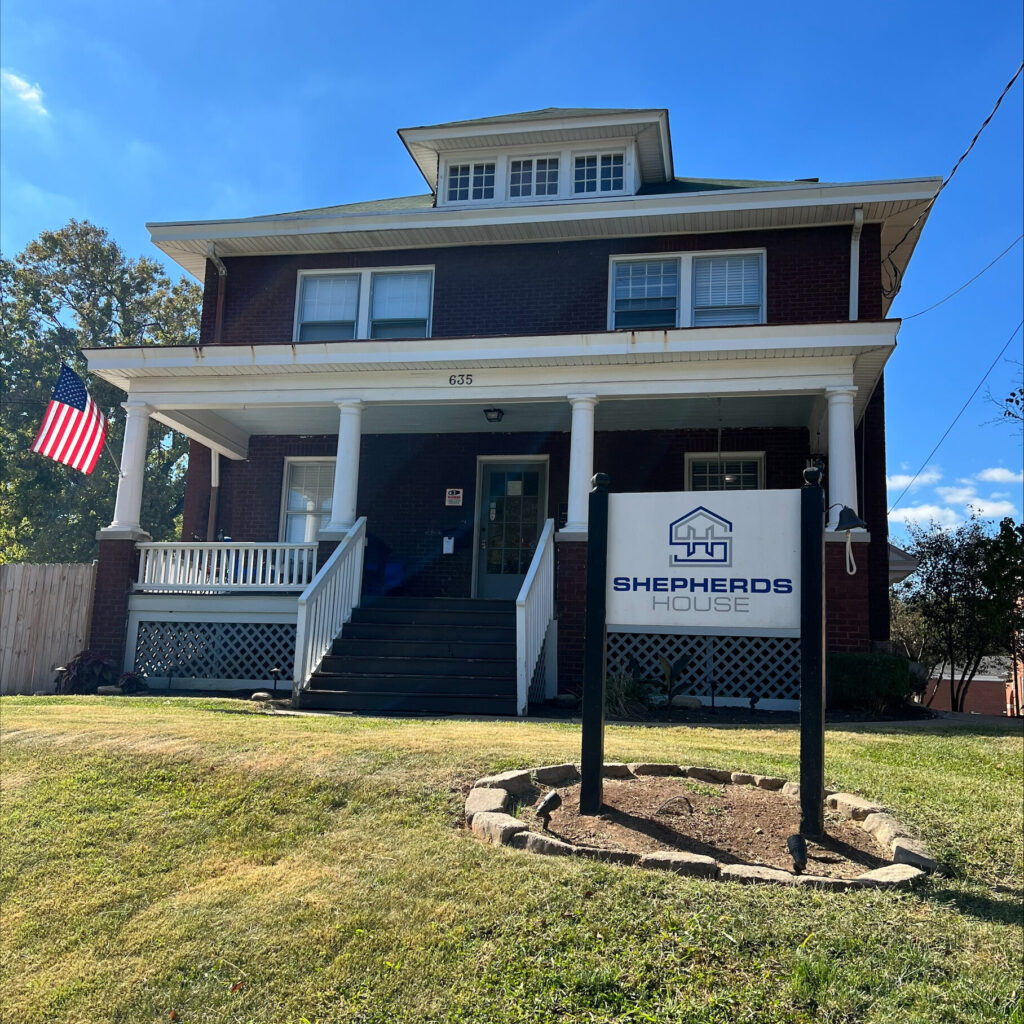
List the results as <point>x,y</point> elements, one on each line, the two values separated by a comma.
<point>211,519</point>
<point>222,280</point>
<point>858,227</point>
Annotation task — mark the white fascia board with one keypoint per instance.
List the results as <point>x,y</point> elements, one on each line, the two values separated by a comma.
<point>681,344</point>
<point>626,207</point>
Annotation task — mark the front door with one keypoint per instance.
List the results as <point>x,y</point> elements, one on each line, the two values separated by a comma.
<point>512,505</point>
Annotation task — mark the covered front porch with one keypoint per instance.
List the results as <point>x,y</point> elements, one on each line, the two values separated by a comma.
<point>466,467</point>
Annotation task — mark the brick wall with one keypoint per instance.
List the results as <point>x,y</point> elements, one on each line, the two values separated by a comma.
<point>116,570</point>
<point>551,287</point>
<point>870,444</point>
<point>846,600</point>
<point>196,507</point>
<point>402,480</point>
<point>570,587</point>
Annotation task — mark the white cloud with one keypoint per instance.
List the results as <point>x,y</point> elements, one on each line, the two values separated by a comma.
<point>990,509</point>
<point>928,475</point>
<point>959,495</point>
<point>1001,475</point>
<point>31,96</point>
<point>922,515</point>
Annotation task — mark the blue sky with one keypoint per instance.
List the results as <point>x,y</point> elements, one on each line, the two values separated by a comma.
<point>126,112</point>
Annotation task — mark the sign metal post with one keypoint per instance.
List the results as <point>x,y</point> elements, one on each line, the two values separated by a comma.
<point>812,655</point>
<point>595,636</point>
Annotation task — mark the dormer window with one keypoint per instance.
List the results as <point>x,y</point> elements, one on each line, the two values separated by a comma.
<point>470,181</point>
<point>598,172</point>
<point>535,177</point>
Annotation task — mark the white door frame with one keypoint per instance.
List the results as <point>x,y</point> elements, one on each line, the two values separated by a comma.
<point>478,503</point>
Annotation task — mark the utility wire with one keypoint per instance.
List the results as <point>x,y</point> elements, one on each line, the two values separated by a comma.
<point>887,259</point>
<point>963,408</point>
<point>966,283</point>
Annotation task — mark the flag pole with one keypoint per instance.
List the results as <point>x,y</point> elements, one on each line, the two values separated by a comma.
<point>106,448</point>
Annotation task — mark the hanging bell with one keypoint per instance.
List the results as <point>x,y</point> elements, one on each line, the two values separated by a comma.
<point>849,520</point>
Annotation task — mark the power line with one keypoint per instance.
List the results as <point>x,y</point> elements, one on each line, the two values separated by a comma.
<point>966,283</point>
<point>887,259</point>
<point>970,399</point>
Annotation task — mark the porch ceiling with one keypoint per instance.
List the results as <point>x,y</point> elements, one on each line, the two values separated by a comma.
<point>468,417</point>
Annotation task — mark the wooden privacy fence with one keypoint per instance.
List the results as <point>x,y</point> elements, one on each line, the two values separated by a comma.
<point>45,613</point>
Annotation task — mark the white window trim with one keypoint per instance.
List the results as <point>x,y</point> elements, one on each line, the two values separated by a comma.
<point>289,460</point>
<point>365,275</point>
<point>566,155</point>
<point>600,151</point>
<point>692,457</point>
<point>684,313</point>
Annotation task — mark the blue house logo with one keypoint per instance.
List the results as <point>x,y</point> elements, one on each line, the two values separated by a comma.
<point>701,538</point>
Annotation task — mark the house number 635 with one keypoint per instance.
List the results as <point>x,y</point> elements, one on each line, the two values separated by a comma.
<point>460,378</point>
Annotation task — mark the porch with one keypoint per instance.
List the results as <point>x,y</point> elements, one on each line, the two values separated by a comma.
<point>456,455</point>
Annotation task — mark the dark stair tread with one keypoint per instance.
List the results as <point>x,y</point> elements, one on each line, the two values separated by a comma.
<point>410,665</point>
<point>478,686</point>
<point>395,703</point>
<point>425,631</point>
<point>432,617</point>
<point>433,648</point>
<point>469,604</point>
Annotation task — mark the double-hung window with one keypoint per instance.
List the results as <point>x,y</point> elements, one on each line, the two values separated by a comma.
<point>726,290</point>
<point>328,307</point>
<point>470,181</point>
<point>364,304</point>
<point>646,294</point>
<point>308,491</point>
<point>686,290</point>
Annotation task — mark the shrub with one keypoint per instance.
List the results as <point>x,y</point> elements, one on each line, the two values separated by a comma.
<point>867,682</point>
<point>84,673</point>
<point>625,697</point>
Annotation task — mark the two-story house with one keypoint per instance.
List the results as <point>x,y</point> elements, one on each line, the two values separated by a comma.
<point>397,406</point>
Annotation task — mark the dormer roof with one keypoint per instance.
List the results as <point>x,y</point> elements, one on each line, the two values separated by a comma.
<point>544,128</point>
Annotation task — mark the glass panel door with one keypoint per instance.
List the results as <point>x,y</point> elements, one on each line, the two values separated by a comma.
<point>513,502</point>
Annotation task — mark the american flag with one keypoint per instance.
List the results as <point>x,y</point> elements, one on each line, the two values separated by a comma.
<point>73,429</point>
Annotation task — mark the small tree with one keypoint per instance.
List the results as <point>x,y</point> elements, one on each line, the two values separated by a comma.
<point>966,599</point>
<point>68,290</point>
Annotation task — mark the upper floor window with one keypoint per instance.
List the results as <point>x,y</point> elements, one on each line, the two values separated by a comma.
<point>726,290</point>
<point>534,177</point>
<point>470,181</point>
<point>364,304</point>
<point>726,471</point>
<point>686,290</point>
<point>599,172</point>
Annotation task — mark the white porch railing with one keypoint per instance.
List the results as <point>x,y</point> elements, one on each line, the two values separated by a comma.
<point>232,566</point>
<point>327,603</point>
<point>535,610</point>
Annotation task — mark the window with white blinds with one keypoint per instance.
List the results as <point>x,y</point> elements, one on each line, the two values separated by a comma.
<point>329,308</point>
<point>726,290</point>
<point>686,290</point>
<point>365,303</point>
<point>308,490</point>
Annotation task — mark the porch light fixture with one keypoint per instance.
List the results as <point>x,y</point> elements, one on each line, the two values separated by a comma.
<point>847,522</point>
<point>493,415</point>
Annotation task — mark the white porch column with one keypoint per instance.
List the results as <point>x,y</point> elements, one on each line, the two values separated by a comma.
<point>128,506</point>
<point>581,462</point>
<point>346,469</point>
<point>842,458</point>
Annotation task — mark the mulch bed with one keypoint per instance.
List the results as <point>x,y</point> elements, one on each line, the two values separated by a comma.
<point>733,824</point>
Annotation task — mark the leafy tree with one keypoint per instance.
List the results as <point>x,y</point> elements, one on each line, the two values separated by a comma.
<point>68,290</point>
<point>965,601</point>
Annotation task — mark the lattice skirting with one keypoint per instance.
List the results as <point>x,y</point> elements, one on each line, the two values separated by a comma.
<point>741,667</point>
<point>235,651</point>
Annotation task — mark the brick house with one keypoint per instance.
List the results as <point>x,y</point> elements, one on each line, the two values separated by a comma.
<point>396,407</point>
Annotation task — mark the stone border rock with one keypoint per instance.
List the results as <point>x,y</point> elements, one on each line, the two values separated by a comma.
<point>488,802</point>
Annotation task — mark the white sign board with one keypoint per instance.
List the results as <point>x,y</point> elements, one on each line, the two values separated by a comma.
<point>716,562</point>
<point>453,497</point>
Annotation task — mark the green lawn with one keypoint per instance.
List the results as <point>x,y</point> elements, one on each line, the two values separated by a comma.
<point>202,860</point>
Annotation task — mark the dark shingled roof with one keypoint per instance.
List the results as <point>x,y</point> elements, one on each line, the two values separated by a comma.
<point>547,114</point>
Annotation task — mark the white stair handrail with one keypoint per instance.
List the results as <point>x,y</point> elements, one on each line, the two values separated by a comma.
<point>326,604</point>
<point>535,609</point>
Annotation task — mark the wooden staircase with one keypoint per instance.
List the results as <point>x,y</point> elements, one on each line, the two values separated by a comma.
<point>428,655</point>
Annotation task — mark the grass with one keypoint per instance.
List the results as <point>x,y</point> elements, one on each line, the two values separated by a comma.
<point>204,861</point>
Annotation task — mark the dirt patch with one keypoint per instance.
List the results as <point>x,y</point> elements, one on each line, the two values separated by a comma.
<point>733,824</point>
